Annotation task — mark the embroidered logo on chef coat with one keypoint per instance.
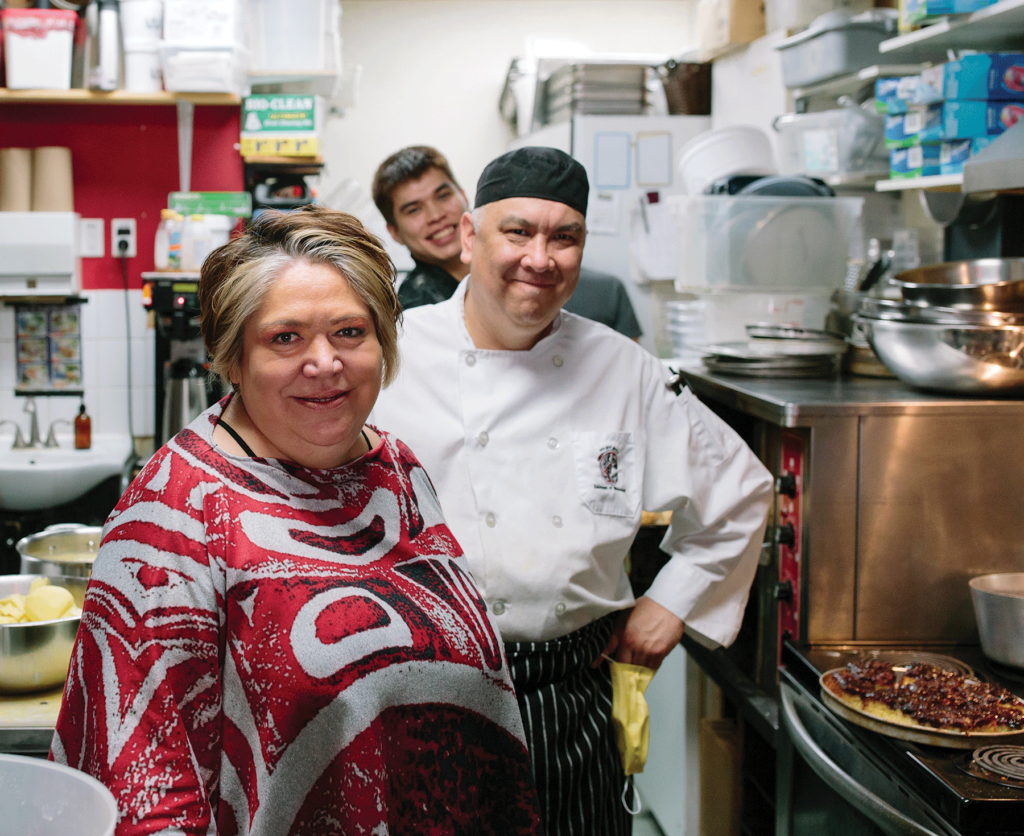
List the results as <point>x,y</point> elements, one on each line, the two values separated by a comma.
<point>608,463</point>
<point>607,472</point>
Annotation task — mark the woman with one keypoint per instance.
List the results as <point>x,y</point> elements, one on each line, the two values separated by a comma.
<point>280,635</point>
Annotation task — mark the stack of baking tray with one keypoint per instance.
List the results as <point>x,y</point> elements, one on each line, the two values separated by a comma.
<point>776,353</point>
<point>595,89</point>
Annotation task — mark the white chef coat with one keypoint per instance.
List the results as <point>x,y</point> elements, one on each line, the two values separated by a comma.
<point>544,459</point>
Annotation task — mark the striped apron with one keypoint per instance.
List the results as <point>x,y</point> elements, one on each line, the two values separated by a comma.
<point>567,709</point>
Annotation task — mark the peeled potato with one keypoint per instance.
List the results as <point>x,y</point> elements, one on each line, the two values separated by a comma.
<point>47,603</point>
<point>43,603</point>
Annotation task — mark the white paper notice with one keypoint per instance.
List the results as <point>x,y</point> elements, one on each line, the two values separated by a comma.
<point>611,160</point>
<point>654,159</point>
<point>654,237</point>
<point>603,213</point>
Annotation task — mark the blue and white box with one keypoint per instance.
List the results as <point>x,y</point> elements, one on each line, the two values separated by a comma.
<point>992,76</point>
<point>917,125</point>
<point>915,161</point>
<point>954,153</point>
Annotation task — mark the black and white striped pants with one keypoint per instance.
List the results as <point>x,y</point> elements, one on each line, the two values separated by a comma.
<point>567,709</point>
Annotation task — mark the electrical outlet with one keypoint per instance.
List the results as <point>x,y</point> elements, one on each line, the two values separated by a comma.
<point>122,238</point>
<point>90,238</point>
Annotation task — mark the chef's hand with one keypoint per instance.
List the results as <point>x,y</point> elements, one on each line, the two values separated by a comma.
<point>644,635</point>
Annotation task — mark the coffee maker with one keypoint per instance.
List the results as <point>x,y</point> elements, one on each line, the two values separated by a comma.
<point>184,387</point>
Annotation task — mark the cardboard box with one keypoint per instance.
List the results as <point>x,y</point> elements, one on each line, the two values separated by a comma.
<point>282,125</point>
<point>953,154</point>
<point>993,76</point>
<point>723,25</point>
<point>895,95</point>
<point>952,120</point>
<point>720,769</point>
<point>916,161</point>
<point>913,12</point>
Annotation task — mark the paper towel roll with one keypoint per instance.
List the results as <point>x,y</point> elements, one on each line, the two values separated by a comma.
<point>52,184</point>
<point>15,179</point>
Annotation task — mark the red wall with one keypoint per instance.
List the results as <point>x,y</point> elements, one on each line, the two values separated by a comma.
<point>125,161</point>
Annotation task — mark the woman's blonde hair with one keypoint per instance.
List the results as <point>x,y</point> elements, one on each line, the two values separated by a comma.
<point>235,278</point>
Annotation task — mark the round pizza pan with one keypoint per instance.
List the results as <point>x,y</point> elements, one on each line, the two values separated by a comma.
<point>946,738</point>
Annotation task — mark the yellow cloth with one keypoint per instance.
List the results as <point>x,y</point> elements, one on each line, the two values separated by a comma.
<point>629,713</point>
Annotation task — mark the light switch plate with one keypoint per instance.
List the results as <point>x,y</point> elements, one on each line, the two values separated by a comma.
<point>90,238</point>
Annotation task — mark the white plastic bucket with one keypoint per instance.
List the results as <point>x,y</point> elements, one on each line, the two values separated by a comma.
<point>37,48</point>
<point>742,149</point>
<point>142,71</point>
<point>46,799</point>
<point>142,20</point>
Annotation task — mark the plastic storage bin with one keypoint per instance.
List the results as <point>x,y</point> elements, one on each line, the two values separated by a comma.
<point>765,243</point>
<point>37,48</point>
<point>206,21</point>
<point>211,68</point>
<point>835,44</point>
<point>295,35</point>
<point>843,143</point>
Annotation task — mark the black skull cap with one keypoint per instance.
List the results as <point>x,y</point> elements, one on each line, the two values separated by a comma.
<point>545,173</point>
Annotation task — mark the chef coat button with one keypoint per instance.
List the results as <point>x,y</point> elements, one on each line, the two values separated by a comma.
<point>557,360</point>
<point>470,359</point>
<point>553,443</point>
<point>556,522</point>
<point>559,608</point>
<point>491,520</point>
<point>498,607</point>
<point>483,438</point>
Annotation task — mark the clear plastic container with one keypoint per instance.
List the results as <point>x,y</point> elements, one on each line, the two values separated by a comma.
<point>196,68</point>
<point>48,799</point>
<point>844,143</point>
<point>758,244</point>
<point>295,34</point>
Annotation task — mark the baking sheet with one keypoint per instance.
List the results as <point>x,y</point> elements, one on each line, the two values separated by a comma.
<point>946,738</point>
<point>27,721</point>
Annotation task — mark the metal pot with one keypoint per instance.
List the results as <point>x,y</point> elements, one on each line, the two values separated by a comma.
<point>999,609</point>
<point>34,655</point>
<point>991,284</point>
<point>60,550</point>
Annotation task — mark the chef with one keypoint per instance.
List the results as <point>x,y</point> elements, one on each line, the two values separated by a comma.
<point>546,435</point>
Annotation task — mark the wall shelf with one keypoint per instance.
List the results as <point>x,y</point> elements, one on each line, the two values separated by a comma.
<point>854,82</point>
<point>1000,26</point>
<point>943,182</point>
<point>116,97</point>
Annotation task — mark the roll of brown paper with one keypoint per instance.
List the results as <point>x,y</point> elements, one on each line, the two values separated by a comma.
<point>15,179</point>
<point>52,186</point>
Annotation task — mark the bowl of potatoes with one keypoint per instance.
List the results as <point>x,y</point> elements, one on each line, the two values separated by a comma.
<point>39,618</point>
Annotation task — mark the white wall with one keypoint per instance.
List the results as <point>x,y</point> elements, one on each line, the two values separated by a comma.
<point>432,70</point>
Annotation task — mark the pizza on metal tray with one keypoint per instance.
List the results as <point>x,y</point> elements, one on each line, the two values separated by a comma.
<point>926,697</point>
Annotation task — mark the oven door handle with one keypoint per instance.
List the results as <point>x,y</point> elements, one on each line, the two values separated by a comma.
<point>888,818</point>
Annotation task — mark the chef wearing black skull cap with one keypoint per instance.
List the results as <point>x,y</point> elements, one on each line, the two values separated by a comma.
<point>546,435</point>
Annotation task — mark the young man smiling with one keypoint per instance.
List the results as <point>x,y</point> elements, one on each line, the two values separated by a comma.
<point>422,203</point>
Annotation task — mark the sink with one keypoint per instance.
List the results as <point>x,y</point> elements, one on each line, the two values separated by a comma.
<point>44,477</point>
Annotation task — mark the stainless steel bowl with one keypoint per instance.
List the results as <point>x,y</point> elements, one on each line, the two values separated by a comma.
<point>895,309</point>
<point>961,359</point>
<point>60,550</point>
<point>999,609</point>
<point>35,655</point>
<point>990,284</point>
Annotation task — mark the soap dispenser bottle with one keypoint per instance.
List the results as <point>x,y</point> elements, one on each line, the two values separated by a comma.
<point>83,429</point>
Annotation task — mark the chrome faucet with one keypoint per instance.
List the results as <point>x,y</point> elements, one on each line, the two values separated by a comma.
<point>19,439</point>
<point>33,427</point>
<point>51,436</point>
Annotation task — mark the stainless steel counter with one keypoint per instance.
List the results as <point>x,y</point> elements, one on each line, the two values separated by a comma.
<point>797,402</point>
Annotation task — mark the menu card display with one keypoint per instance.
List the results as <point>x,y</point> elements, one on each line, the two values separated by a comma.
<point>48,348</point>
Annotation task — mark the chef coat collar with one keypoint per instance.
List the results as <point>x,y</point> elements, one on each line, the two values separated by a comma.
<point>459,300</point>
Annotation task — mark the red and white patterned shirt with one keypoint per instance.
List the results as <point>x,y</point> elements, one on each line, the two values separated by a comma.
<point>269,649</point>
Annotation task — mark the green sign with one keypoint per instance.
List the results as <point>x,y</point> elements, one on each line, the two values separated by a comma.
<point>281,114</point>
<point>235,204</point>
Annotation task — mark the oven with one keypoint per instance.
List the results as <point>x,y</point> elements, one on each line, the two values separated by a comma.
<point>887,502</point>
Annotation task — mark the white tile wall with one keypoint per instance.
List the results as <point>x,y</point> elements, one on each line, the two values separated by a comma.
<point>105,352</point>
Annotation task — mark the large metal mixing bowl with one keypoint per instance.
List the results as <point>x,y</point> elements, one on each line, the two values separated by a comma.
<point>990,284</point>
<point>999,608</point>
<point>34,655</point>
<point>60,550</point>
<point>962,359</point>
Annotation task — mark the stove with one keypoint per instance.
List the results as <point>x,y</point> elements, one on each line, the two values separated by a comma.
<point>961,791</point>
